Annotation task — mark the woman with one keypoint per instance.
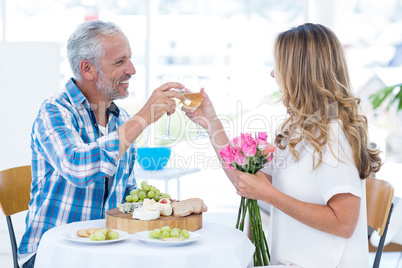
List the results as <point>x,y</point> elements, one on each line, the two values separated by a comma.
<point>317,193</point>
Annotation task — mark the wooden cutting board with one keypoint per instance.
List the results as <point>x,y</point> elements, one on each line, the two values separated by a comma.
<point>124,222</point>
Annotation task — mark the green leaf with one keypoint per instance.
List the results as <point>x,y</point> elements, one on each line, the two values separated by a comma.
<point>378,98</point>
<point>398,96</point>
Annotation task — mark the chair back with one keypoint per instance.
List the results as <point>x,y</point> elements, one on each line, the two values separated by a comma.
<point>15,188</point>
<point>379,194</point>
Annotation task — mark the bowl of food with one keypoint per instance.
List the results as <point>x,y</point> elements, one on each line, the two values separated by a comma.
<point>153,158</point>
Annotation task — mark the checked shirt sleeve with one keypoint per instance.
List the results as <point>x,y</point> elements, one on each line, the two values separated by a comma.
<point>63,138</point>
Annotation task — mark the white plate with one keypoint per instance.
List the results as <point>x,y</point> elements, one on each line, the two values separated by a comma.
<point>72,236</point>
<point>144,236</point>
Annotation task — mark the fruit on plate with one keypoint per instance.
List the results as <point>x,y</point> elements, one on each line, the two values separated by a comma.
<point>167,234</point>
<point>137,197</point>
<point>145,191</point>
<point>98,234</point>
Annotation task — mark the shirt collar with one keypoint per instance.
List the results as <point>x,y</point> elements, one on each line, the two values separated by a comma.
<point>114,109</point>
<point>75,95</point>
<point>78,99</point>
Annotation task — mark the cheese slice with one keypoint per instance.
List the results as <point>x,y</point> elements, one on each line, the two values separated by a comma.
<point>152,205</point>
<point>146,215</point>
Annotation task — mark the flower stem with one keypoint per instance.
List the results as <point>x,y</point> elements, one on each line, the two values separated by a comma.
<point>262,242</point>
<point>239,213</point>
<point>245,206</point>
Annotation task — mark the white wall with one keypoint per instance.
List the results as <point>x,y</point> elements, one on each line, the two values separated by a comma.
<point>29,73</point>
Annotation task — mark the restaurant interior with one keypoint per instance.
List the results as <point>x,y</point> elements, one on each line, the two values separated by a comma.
<point>228,44</point>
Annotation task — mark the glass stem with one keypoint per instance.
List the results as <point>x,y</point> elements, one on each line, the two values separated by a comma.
<point>198,126</point>
<point>168,126</point>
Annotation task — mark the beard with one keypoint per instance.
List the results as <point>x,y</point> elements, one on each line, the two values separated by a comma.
<point>105,86</point>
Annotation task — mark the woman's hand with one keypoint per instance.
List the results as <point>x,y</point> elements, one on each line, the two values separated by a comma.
<point>205,112</point>
<point>338,217</point>
<point>255,186</point>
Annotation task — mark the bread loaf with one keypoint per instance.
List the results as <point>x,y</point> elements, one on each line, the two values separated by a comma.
<point>189,206</point>
<point>204,207</point>
<point>195,204</point>
<point>181,209</point>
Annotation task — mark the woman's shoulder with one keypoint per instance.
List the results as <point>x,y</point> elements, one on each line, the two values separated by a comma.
<point>338,147</point>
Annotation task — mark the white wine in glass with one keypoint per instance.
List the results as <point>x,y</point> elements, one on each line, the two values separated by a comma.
<point>193,100</point>
<point>192,87</point>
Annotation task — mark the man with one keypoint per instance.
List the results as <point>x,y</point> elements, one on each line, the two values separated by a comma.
<point>82,143</point>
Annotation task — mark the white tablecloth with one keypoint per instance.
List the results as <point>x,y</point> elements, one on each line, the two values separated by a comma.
<point>220,246</point>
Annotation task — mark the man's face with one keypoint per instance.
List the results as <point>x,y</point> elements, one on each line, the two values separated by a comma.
<point>116,68</point>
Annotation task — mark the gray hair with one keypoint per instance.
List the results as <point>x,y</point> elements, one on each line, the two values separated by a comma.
<point>85,43</point>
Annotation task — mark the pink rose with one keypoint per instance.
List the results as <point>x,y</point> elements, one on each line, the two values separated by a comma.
<point>227,154</point>
<point>269,149</point>
<point>233,142</point>
<point>249,148</point>
<point>262,136</point>
<point>246,136</point>
<point>261,145</point>
<point>229,167</point>
<point>240,159</point>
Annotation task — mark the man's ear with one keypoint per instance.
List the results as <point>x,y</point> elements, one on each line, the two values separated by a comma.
<point>88,70</point>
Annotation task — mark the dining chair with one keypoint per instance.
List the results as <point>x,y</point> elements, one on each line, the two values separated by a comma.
<point>379,194</point>
<point>15,188</point>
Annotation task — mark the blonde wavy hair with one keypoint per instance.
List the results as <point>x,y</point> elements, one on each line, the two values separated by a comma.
<point>311,71</point>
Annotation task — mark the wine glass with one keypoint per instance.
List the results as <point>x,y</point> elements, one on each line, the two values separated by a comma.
<point>193,99</point>
<point>169,78</point>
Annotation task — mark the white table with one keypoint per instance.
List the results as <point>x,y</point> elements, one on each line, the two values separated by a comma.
<point>219,246</point>
<point>165,174</point>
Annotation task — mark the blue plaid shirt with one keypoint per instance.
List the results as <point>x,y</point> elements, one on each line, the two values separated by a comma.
<point>70,161</point>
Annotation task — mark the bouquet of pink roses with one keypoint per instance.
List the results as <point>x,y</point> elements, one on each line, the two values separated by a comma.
<point>249,154</point>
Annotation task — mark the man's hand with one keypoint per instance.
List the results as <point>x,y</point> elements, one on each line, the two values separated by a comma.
<point>160,102</point>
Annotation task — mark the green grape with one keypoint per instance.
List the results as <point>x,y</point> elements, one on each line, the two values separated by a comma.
<point>166,196</point>
<point>166,228</point>
<point>133,192</point>
<point>153,189</point>
<point>151,234</point>
<point>176,230</point>
<point>157,192</point>
<point>92,237</point>
<point>165,234</point>
<point>129,198</point>
<point>100,236</point>
<point>135,198</point>
<point>157,198</point>
<point>174,233</point>
<point>151,194</point>
<point>145,186</point>
<point>142,195</point>
<point>157,232</point>
<point>185,234</point>
<point>113,235</point>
